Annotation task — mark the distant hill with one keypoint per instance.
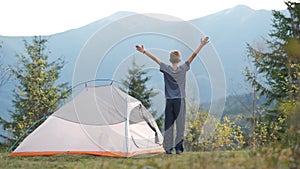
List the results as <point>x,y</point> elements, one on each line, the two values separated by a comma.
<point>229,31</point>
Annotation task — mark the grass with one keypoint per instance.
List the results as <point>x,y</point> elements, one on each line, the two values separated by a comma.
<point>246,159</point>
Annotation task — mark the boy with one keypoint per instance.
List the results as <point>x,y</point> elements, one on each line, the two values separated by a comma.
<point>174,79</point>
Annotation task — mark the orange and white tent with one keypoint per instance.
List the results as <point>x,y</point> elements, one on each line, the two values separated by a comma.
<point>101,120</point>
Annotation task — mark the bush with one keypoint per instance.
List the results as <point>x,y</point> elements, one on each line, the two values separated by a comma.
<point>206,133</point>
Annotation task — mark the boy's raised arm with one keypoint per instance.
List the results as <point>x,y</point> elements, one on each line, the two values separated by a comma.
<point>203,43</point>
<point>150,55</point>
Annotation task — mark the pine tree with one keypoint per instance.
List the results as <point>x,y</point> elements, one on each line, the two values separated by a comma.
<point>278,69</point>
<point>37,93</point>
<point>136,85</point>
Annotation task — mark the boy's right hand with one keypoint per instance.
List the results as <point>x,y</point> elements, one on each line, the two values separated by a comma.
<point>140,48</point>
<point>204,41</point>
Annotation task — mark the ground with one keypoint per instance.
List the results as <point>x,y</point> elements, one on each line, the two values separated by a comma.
<point>245,159</point>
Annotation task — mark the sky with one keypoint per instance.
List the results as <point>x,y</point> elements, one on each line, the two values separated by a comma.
<point>46,17</point>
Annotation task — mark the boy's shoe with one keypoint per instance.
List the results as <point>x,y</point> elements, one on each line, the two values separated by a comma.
<point>169,151</point>
<point>178,151</point>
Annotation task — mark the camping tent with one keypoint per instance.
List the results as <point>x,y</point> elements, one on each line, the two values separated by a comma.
<point>100,120</point>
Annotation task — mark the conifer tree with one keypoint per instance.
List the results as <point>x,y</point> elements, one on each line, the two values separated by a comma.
<point>37,93</point>
<point>278,69</point>
<point>136,83</point>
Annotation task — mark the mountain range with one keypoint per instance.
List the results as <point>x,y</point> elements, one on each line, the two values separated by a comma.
<point>229,31</point>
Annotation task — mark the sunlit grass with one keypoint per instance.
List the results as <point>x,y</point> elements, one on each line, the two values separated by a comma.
<point>266,158</point>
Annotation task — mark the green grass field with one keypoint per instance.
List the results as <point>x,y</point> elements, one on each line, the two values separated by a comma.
<point>248,159</point>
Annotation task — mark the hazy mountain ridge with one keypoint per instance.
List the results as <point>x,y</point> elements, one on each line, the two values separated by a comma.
<point>229,31</point>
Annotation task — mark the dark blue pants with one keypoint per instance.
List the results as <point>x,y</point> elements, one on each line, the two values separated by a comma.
<point>175,112</point>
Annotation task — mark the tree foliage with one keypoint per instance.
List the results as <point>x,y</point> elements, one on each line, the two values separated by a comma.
<point>37,93</point>
<point>277,76</point>
<point>136,84</point>
<point>226,134</point>
<point>277,70</point>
